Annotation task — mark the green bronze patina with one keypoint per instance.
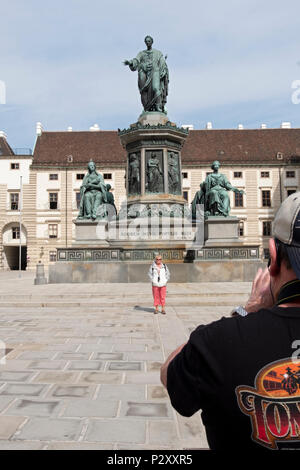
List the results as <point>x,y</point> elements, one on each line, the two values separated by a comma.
<point>138,127</point>
<point>93,195</point>
<point>153,77</point>
<point>111,200</point>
<point>154,172</point>
<point>134,174</point>
<point>174,177</point>
<point>213,194</point>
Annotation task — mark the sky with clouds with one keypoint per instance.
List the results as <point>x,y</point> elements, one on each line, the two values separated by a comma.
<point>230,62</point>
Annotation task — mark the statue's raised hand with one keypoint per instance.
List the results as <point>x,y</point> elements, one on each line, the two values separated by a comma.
<point>127,62</point>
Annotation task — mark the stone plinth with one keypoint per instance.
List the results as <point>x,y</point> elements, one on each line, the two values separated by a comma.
<point>91,232</point>
<point>203,271</point>
<point>222,230</point>
<point>153,118</point>
<point>153,147</point>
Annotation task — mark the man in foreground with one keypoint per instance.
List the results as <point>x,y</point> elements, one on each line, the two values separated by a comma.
<point>243,372</point>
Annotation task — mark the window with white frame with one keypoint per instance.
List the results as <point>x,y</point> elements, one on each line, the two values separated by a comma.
<point>15,233</point>
<point>14,201</point>
<point>266,198</point>
<point>53,230</point>
<point>52,255</point>
<point>53,200</point>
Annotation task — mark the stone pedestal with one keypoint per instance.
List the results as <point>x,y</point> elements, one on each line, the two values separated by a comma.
<point>222,230</point>
<point>152,118</point>
<point>153,174</point>
<point>91,232</point>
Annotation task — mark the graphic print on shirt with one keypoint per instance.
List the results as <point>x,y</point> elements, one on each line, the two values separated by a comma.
<point>274,404</point>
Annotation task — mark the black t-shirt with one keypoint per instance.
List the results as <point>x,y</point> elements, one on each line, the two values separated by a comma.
<point>242,374</point>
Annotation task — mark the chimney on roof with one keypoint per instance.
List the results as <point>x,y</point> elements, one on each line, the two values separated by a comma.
<point>94,128</point>
<point>39,128</point>
<point>2,134</point>
<point>240,126</point>
<point>208,125</point>
<point>190,127</point>
<point>263,126</point>
<point>285,125</point>
<point>70,128</point>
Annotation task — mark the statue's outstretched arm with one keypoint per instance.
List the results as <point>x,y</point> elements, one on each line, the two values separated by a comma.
<point>133,64</point>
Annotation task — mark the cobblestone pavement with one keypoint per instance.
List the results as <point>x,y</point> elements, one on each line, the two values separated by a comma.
<point>82,363</point>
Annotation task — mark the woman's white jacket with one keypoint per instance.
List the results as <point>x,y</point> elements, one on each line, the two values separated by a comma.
<point>159,278</point>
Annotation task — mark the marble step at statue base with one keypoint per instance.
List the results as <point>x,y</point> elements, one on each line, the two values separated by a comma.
<point>223,230</point>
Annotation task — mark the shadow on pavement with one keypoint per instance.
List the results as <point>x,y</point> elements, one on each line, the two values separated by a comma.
<point>144,309</point>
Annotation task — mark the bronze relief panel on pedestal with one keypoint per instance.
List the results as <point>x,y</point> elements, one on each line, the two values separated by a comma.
<point>174,176</point>
<point>134,173</point>
<point>154,169</point>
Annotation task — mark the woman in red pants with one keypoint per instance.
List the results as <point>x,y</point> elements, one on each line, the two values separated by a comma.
<point>159,275</point>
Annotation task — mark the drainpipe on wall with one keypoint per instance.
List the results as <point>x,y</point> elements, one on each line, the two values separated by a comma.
<point>20,225</point>
<point>66,207</point>
<point>280,184</point>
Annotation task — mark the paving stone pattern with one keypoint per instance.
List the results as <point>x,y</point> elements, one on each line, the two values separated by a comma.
<point>82,377</point>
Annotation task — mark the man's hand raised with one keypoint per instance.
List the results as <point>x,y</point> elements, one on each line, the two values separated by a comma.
<point>261,295</point>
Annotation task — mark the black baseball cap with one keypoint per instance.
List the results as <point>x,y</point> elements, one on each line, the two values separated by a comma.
<point>286,229</point>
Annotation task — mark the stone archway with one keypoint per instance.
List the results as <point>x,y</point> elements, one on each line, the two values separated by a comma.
<point>11,246</point>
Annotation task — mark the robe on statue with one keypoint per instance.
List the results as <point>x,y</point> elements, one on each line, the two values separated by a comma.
<point>153,79</point>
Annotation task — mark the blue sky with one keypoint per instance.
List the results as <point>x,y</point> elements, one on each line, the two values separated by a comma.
<point>230,62</point>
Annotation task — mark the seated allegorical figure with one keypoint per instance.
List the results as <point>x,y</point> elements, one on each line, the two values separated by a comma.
<point>92,195</point>
<point>214,194</point>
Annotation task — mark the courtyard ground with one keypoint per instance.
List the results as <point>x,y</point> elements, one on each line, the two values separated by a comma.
<point>82,362</point>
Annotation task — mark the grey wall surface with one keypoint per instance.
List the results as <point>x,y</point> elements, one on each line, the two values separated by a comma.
<point>204,271</point>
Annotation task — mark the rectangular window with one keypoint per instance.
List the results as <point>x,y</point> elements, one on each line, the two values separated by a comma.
<point>237,174</point>
<point>16,233</point>
<point>53,176</point>
<point>53,198</point>
<point>52,255</point>
<point>79,176</point>
<point>77,200</point>
<point>238,200</point>
<point>14,201</point>
<point>266,198</point>
<point>290,191</point>
<point>107,176</point>
<point>52,228</point>
<point>185,174</point>
<point>241,229</point>
<point>267,227</point>
<point>186,195</point>
<point>15,166</point>
<point>290,174</point>
<point>265,174</point>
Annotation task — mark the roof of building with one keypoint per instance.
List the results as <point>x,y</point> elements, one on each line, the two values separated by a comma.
<point>5,148</point>
<point>100,146</point>
<point>201,146</point>
<point>241,146</point>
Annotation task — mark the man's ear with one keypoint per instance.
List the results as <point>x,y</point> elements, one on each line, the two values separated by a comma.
<point>273,268</point>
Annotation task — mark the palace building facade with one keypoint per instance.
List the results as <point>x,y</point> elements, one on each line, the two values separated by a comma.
<point>265,163</point>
